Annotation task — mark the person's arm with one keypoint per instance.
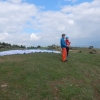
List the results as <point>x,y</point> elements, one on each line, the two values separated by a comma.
<point>63,43</point>
<point>67,44</point>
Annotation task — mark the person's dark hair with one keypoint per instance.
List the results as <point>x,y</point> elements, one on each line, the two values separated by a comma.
<point>63,34</point>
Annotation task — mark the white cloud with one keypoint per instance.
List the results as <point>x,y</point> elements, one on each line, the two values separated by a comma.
<point>34,37</point>
<point>15,1</point>
<point>71,22</point>
<point>86,17</point>
<point>3,36</point>
<point>79,22</point>
<point>13,17</point>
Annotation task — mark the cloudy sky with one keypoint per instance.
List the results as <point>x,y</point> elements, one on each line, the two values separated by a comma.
<point>41,22</point>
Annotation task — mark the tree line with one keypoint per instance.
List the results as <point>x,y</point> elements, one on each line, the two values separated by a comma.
<point>8,45</point>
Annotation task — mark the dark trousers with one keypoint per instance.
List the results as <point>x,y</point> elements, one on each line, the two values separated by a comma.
<point>67,49</point>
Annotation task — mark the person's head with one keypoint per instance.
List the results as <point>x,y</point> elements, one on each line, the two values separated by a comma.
<point>67,38</point>
<point>63,35</point>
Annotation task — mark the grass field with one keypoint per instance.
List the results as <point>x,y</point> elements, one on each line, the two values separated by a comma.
<point>42,76</point>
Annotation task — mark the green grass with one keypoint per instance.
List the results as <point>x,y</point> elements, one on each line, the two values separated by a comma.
<point>42,76</point>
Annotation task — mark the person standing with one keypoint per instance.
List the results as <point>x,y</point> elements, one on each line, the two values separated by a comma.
<point>63,46</point>
<point>68,44</point>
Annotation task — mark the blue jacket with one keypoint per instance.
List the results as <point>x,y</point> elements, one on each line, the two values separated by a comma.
<point>63,43</point>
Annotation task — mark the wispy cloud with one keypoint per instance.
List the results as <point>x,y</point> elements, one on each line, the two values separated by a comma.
<point>15,1</point>
<point>71,1</point>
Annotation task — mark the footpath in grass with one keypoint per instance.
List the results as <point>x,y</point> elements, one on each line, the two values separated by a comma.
<point>42,76</point>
